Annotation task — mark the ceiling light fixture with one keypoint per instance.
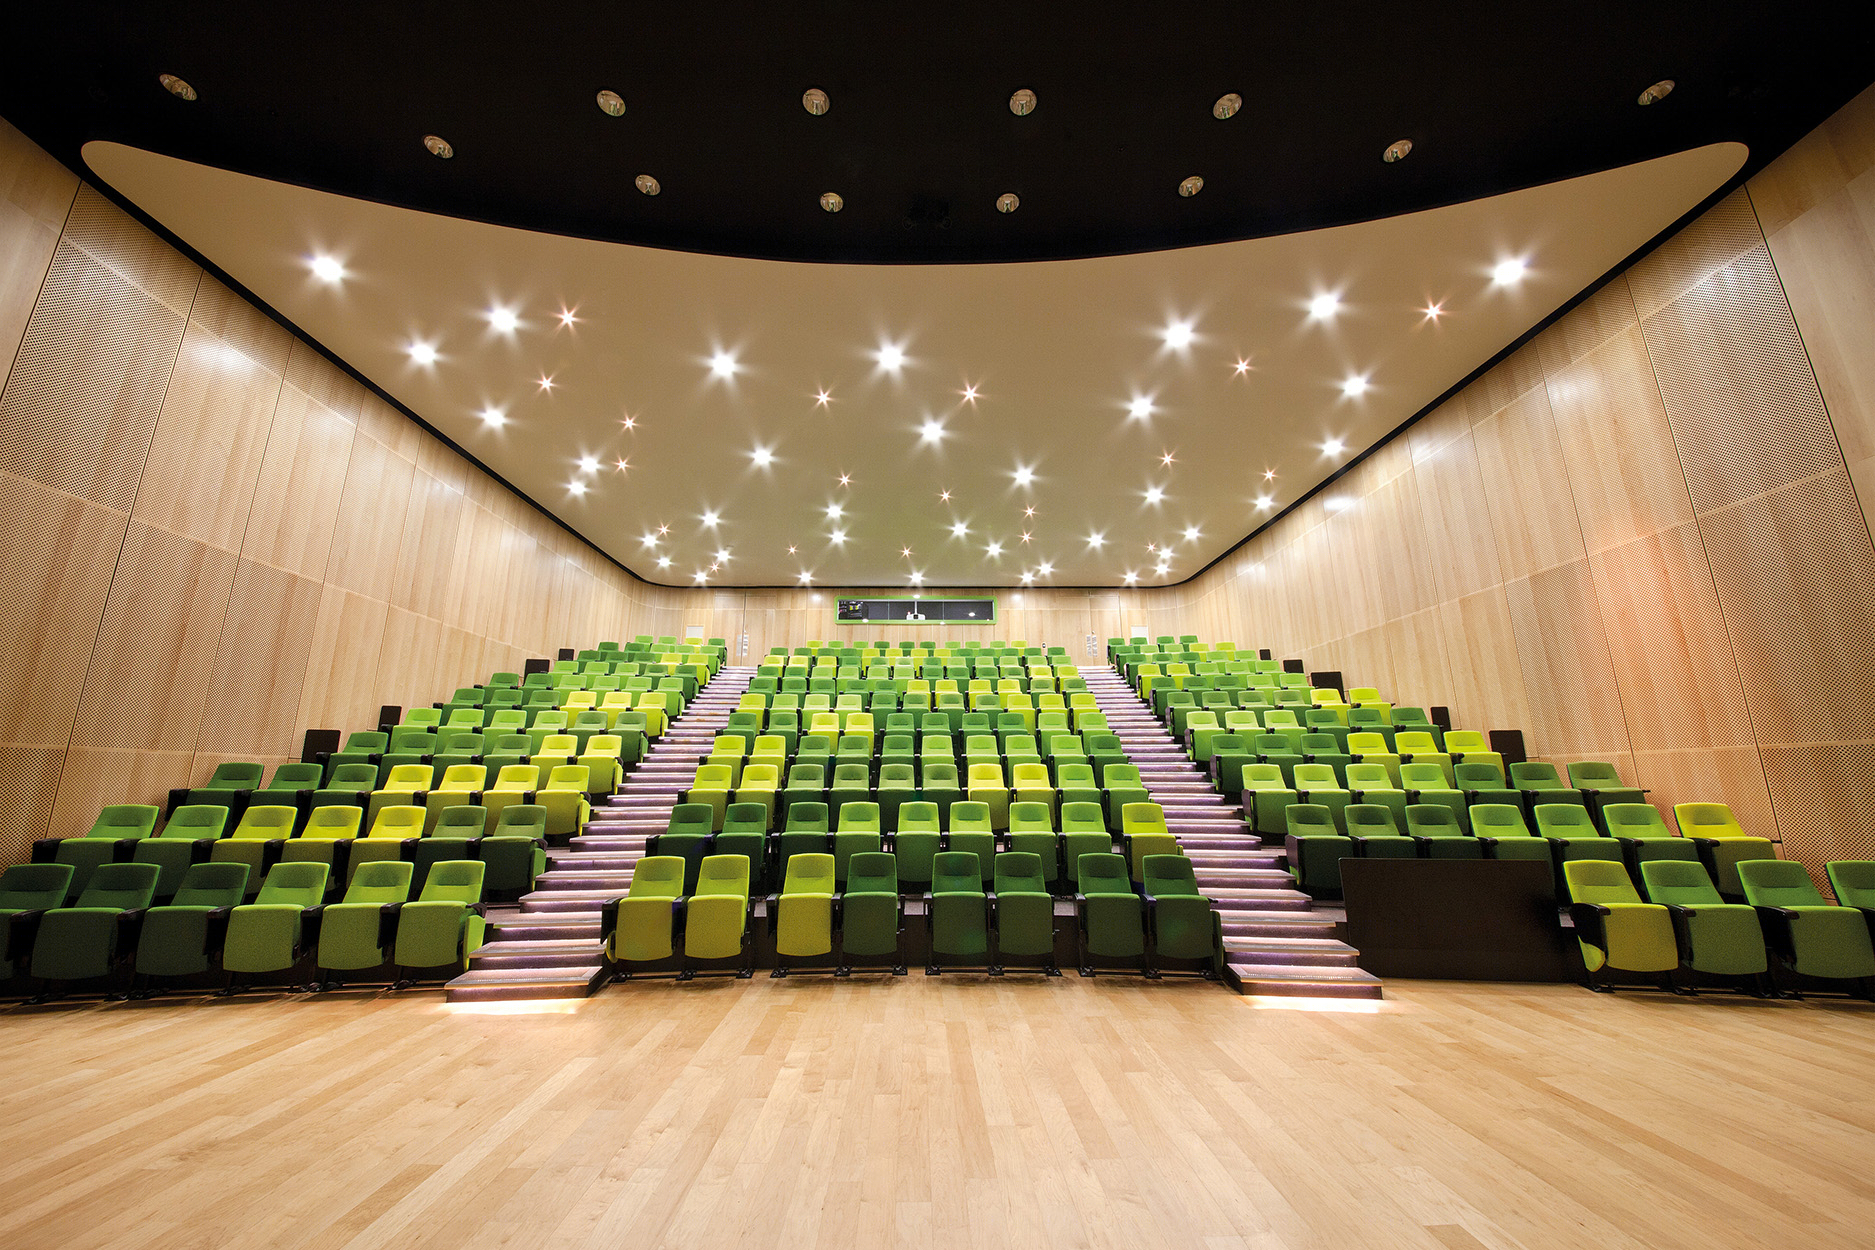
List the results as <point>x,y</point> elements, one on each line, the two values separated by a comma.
<point>1166,459</point>
<point>701,577</point>
<point>1397,151</point>
<point>1096,541</point>
<point>1354,386</point>
<point>546,381</point>
<point>1024,475</point>
<point>494,416</point>
<point>790,548</point>
<point>1140,408</point>
<point>845,480</point>
<point>588,464</point>
<point>905,552</point>
<point>629,422</point>
<point>815,101</point>
<point>1154,494</point>
<point>567,318</point>
<point>944,496</point>
<point>327,269</point>
<point>1265,503</point>
<point>503,320</point>
<point>1022,103</point>
<point>1653,95</point>
<point>763,457</point>
<point>1191,533</point>
<point>916,577</point>
<point>1178,335</point>
<point>664,529</point>
<point>806,577</point>
<point>664,562</point>
<point>611,103</point>
<point>422,353</point>
<point>1029,511</point>
<point>722,364</point>
<point>1191,186</point>
<point>1432,312</point>
<point>833,512</point>
<point>891,357</point>
<point>832,201</point>
<point>822,398</point>
<point>969,393</point>
<point>1227,106</point>
<point>439,147</point>
<point>577,487</point>
<point>1008,202</point>
<point>1324,306</point>
<point>1269,475</point>
<point>1333,447</point>
<point>1509,272</point>
<point>183,91</point>
<point>1027,578</point>
<point>1243,366</point>
<point>710,519</point>
<point>1045,568</point>
<point>651,540</point>
<point>837,537</point>
<point>993,550</point>
<point>932,430</point>
<point>1025,536</point>
<point>959,529</point>
<point>722,557</point>
<point>647,184</point>
<point>1131,577</point>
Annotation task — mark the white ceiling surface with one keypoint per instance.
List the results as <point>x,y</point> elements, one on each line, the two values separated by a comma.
<point>1057,350</point>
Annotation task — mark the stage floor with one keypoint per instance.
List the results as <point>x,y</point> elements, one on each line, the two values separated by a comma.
<point>954,1111</point>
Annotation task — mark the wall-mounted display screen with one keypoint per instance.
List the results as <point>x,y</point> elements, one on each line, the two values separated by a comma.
<point>918,611</point>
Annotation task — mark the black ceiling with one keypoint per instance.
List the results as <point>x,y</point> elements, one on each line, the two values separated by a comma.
<point>920,140</point>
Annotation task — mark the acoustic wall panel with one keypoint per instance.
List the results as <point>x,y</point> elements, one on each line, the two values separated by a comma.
<point>55,571</point>
<point>35,197</point>
<point>260,662</point>
<point>94,777</point>
<point>310,373</point>
<point>1600,317</point>
<point>340,690</point>
<point>109,235</point>
<point>241,326</point>
<point>1568,676</point>
<point>29,785</point>
<point>149,672</point>
<point>1823,794</point>
<point>370,519</point>
<point>426,554</point>
<point>1526,480</point>
<point>1718,237</point>
<point>90,374</point>
<point>298,487</point>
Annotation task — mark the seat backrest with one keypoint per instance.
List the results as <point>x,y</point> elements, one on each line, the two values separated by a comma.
<point>234,776</point>
<point>1853,880</point>
<point>1777,883</point>
<point>849,775</point>
<point>399,820</point>
<point>522,820</point>
<point>465,820</point>
<point>1679,883</point>
<point>1707,820</point>
<point>809,873</point>
<point>1030,818</point>
<point>711,777</point>
<point>657,876</point>
<point>724,874</point>
<point>1020,872</point>
<point>859,817</point>
<point>919,817</point>
<point>1260,777</point>
<point>454,881</point>
<point>1318,777</point>
<point>1083,818</point>
<point>296,884</point>
<point>209,820</point>
<point>1423,777</point>
<point>1103,872</point>
<point>120,886</point>
<point>1030,775</point>
<point>367,742</point>
<point>1122,775</point>
<point>1536,775</point>
<point>761,777</point>
<point>1374,820</point>
<point>1584,774</point>
<point>296,777</point>
<point>1476,776</point>
<point>1457,740</point>
<point>1635,820</point>
<point>1495,820</point>
<point>1142,818</point>
<point>332,823</point>
<point>209,885</point>
<point>872,872</point>
<point>1367,744</point>
<point>518,777</point>
<point>693,818</point>
<point>1306,819</point>
<point>124,820</point>
<point>1368,777</point>
<point>380,881</point>
<point>570,777</point>
<point>807,818</point>
<point>34,887</point>
<point>1429,820</point>
<point>409,777</point>
<point>1169,876</point>
<point>970,817</point>
<point>1599,881</point>
<point>982,774</point>
<point>956,872</point>
<point>266,822</point>
<point>1564,820</point>
<point>462,777</point>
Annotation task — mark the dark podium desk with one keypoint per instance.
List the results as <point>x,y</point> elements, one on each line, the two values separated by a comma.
<point>1457,920</point>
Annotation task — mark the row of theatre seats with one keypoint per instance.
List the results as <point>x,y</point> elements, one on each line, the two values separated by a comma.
<point>413,824</point>
<point>1357,777</point>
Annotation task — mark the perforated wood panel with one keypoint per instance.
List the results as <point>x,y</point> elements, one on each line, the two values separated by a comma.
<point>93,778</point>
<point>1719,236</point>
<point>1586,327</point>
<point>155,648</point>
<point>370,520</point>
<point>38,196</point>
<point>339,691</point>
<point>1796,575</point>
<point>29,782</point>
<point>241,326</point>
<point>297,491</point>
<point>1746,413</point>
<point>1527,483</point>
<point>324,382</point>
<point>1823,795</point>
<point>55,571</point>
<point>432,524</point>
<point>109,235</point>
<point>260,662</point>
<point>90,375</point>
<point>1563,654</point>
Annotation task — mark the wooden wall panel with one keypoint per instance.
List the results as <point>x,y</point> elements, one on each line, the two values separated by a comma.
<point>371,516</point>
<point>91,778</point>
<point>299,485</point>
<point>29,788</point>
<point>1526,480</point>
<point>1568,675</point>
<point>199,475</point>
<point>260,662</point>
<point>340,689</point>
<point>36,194</point>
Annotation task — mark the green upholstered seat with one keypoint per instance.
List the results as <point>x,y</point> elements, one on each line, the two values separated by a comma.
<point>117,823</point>
<point>1808,935</point>
<point>1716,937</point>
<point>716,921</point>
<point>1723,843</point>
<point>26,890</point>
<point>871,917</point>
<point>515,851</point>
<point>87,939</point>
<point>1032,830</point>
<point>957,910</point>
<point>175,937</point>
<point>1315,848</point>
<point>801,916</point>
<point>266,935</point>
<point>186,839</point>
<point>971,832</point>
<point>1024,922</point>
<point>1110,916</point>
<point>357,933</point>
<point>1614,928</point>
<point>444,926</point>
<point>639,926</point>
<point>1375,834</point>
<point>916,841</point>
<point>1181,924</point>
<point>1644,834</point>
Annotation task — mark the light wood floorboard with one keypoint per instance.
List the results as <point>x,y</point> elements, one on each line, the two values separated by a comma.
<point>954,1113</point>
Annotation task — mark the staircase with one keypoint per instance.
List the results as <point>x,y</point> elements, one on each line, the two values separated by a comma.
<point>551,947</point>
<point>1273,942</point>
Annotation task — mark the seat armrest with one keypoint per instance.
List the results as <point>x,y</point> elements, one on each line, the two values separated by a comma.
<point>1590,924</point>
<point>129,926</point>
<point>310,921</point>
<point>387,924</point>
<point>608,916</point>
<point>22,928</point>
<point>46,850</point>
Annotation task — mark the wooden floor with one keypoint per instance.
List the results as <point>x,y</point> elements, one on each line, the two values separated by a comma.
<point>952,1112</point>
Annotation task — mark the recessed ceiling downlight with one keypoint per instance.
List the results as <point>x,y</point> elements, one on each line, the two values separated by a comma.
<point>439,147</point>
<point>611,103</point>
<point>1653,95</point>
<point>831,201</point>
<point>1397,151</point>
<point>1022,103</point>
<point>1191,186</point>
<point>176,87</point>
<point>815,101</point>
<point>1008,202</point>
<point>647,184</point>
<point>1227,106</point>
